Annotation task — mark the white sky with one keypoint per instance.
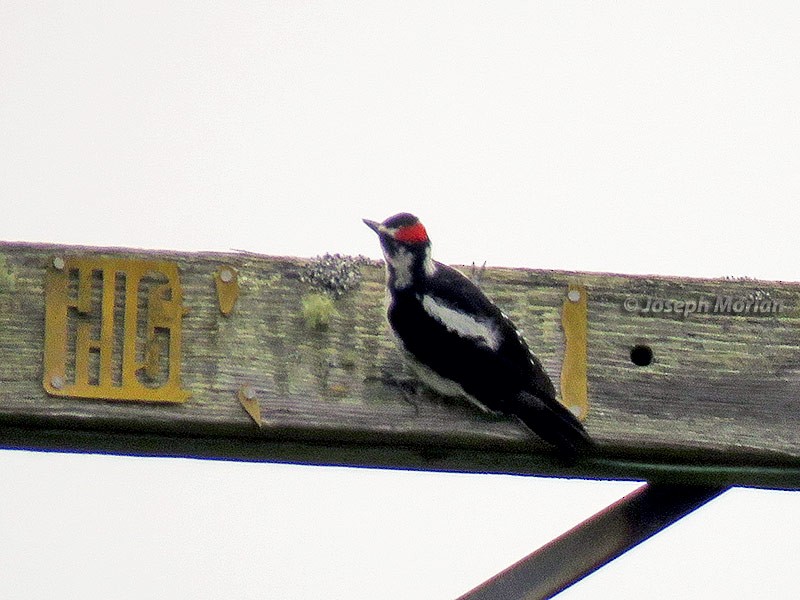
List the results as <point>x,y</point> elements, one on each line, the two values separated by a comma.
<point>628,137</point>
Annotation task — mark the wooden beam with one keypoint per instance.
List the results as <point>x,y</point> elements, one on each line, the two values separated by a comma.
<point>714,398</point>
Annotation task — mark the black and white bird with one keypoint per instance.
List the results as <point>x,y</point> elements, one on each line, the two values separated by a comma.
<point>460,344</point>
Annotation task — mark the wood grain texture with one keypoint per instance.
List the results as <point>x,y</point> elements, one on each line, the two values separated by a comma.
<point>719,403</point>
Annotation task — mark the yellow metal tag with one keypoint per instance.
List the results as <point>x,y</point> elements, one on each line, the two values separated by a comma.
<point>249,401</point>
<point>113,329</point>
<point>227,280</point>
<point>575,319</point>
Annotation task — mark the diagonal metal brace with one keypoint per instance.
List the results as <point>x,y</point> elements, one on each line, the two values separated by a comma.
<point>598,540</point>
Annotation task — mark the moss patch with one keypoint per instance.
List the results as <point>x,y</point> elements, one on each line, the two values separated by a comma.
<point>317,311</point>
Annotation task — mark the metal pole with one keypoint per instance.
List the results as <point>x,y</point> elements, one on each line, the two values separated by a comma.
<point>595,542</point>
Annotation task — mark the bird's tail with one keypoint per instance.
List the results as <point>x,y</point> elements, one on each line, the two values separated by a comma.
<point>554,423</point>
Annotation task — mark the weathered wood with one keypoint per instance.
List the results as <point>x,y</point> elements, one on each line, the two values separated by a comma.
<point>719,403</point>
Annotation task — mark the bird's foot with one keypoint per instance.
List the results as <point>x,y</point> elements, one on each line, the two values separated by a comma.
<point>408,387</point>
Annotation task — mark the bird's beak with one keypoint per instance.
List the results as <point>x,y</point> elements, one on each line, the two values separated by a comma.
<point>374,225</point>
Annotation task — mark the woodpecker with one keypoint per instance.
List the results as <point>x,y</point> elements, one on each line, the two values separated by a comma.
<point>460,344</point>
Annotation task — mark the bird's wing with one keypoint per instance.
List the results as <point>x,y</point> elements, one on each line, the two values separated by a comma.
<point>453,291</point>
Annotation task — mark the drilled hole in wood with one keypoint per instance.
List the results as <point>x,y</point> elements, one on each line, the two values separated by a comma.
<point>641,355</point>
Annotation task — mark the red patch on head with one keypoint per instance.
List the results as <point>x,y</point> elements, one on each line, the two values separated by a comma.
<point>412,234</point>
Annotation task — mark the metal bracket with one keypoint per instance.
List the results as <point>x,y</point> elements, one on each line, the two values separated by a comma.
<point>595,542</point>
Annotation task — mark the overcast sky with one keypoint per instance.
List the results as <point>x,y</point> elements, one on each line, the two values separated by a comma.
<point>627,137</point>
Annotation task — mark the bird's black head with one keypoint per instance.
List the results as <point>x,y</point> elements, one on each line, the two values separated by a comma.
<point>400,229</point>
<point>406,247</point>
